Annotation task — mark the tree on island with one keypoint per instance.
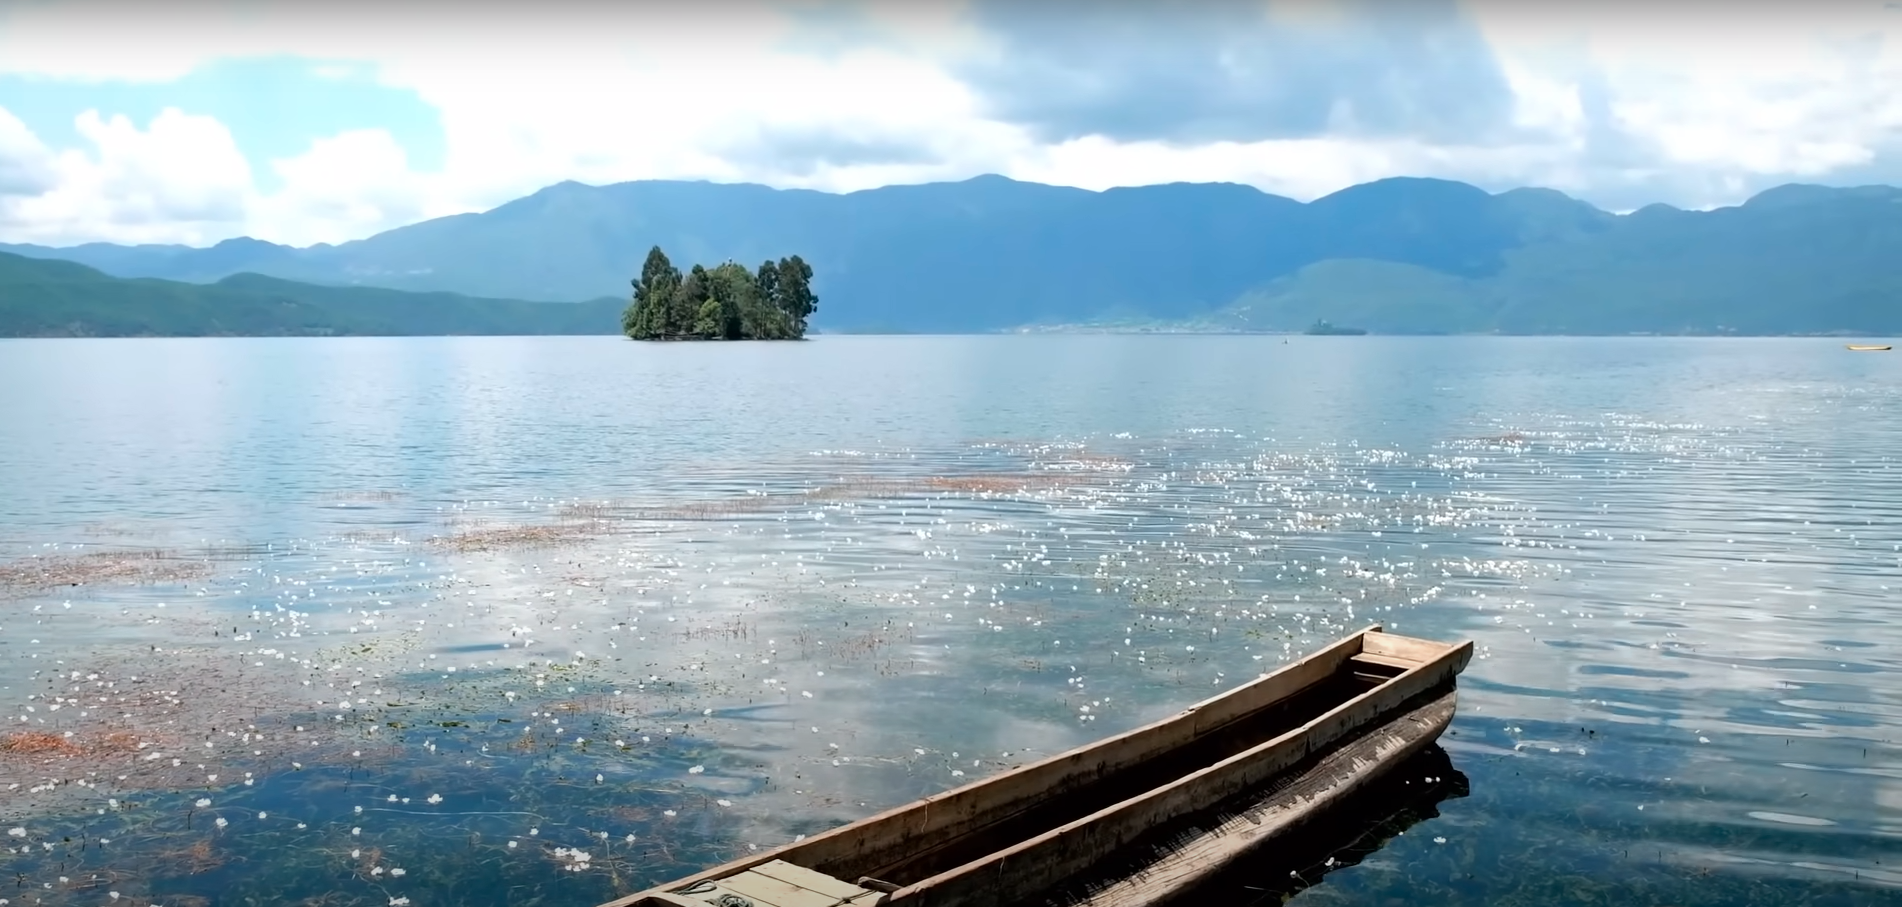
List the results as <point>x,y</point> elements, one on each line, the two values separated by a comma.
<point>727,302</point>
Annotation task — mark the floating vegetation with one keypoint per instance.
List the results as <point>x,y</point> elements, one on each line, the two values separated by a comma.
<point>480,539</point>
<point>37,743</point>
<point>563,699</point>
<point>362,497</point>
<point>839,489</point>
<point>39,573</point>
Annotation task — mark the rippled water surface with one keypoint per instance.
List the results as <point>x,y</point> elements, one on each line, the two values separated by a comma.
<point>545,621</point>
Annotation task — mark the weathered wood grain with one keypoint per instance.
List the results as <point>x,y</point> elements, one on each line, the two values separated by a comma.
<point>997,840</point>
<point>1174,871</point>
<point>1043,861</point>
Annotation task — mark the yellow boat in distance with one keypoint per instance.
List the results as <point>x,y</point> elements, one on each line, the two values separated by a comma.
<point>1868,348</point>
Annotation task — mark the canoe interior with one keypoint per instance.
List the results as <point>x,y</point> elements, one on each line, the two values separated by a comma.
<point>1360,825</point>
<point>940,849</point>
<point>1258,728</point>
<point>1174,861</point>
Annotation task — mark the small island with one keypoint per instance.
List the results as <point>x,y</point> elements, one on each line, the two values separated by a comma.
<point>1324,329</point>
<point>726,302</point>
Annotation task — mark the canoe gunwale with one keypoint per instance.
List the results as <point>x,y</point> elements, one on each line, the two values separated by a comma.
<point>1060,853</point>
<point>945,818</point>
<point>1169,862</point>
<point>1045,779</point>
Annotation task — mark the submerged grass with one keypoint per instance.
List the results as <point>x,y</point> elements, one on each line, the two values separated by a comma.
<point>792,657</point>
<point>40,573</point>
<point>488,539</point>
<point>500,827</point>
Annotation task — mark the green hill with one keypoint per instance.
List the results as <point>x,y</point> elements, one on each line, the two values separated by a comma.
<point>46,298</point>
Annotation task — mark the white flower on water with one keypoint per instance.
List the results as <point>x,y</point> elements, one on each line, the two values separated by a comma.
<point>392,798</point>
<point>696,770</point>
<point>398,873</point>
<point>577,858</point>
<point>356,831</point>
<point>17,831</point>
<point>221,822</point>
<point>435,799</point>
<point>202,802</point>
<point>264,815</point>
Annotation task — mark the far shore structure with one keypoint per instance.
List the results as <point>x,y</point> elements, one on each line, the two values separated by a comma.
<point>727,302</point>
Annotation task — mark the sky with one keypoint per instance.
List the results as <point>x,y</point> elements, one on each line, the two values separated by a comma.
<point>194,121</point>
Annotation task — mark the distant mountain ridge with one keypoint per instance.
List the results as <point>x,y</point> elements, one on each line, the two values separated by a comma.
<point>1400,255</point>
<point>51,298</point>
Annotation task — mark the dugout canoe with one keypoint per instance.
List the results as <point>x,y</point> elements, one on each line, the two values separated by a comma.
<point>1135,819</point>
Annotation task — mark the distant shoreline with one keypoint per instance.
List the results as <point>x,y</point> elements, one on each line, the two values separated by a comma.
<point>1085,329</point>
<point>1080,332</point>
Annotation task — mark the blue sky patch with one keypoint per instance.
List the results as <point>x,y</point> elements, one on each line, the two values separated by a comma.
<point>274,106</point>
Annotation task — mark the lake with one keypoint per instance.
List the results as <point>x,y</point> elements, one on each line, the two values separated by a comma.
<point>547,620</point>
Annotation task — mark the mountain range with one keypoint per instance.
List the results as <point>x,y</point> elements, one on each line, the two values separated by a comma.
<point>50,298</point>
<point>1402,255</point>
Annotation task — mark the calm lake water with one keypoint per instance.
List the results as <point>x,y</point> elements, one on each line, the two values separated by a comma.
<point>547,620</point>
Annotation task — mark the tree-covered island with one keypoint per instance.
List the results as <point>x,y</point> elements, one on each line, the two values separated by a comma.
<point>727,302</point>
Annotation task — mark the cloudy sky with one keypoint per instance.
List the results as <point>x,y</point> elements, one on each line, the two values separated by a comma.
<point>299,122</point>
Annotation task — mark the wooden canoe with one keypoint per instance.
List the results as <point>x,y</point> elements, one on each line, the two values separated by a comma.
<point>1135,819</point>
<point>1867,348</point>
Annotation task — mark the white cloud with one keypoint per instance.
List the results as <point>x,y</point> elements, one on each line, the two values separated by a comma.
<point>346,186</point>
<point>526,98</point>
<point>25,162</point>
<point>1299,168</point>
<point>1719,99</point>
<point>181,178</point>
<point>1678,102</point>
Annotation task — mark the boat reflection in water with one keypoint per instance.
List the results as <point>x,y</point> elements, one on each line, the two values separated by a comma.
<point>1137,818</point>
<point>1339,838</point>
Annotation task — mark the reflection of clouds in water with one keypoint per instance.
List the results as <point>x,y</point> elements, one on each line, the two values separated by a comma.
<point>859,642</point>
